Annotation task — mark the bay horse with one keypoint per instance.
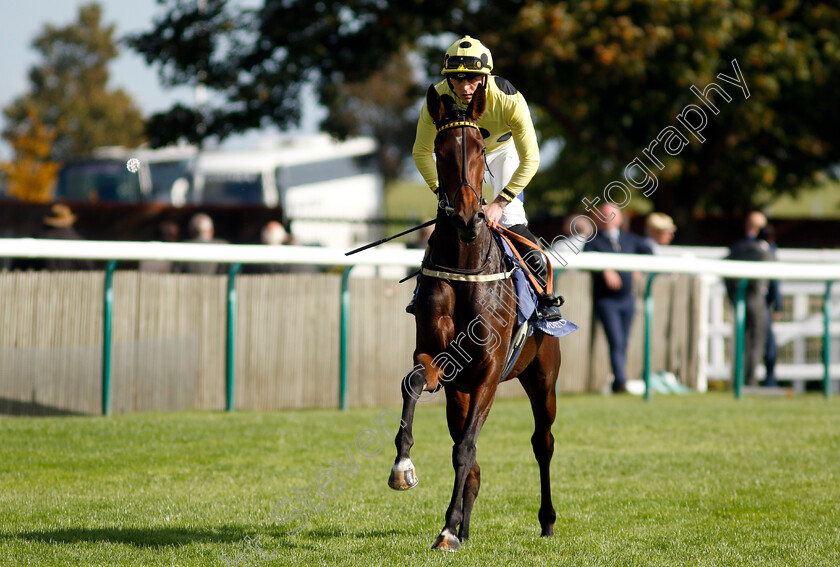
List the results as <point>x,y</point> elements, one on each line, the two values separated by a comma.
<point>465,315</point>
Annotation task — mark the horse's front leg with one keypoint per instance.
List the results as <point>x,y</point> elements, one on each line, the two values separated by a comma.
<point>457,407</point>
<point>403,474</point>
<point>463,461</point>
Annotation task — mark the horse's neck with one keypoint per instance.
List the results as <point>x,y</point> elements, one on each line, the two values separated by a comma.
<point>448,250</point>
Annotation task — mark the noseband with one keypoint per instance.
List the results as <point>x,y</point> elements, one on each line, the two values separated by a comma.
<point>443,200</point>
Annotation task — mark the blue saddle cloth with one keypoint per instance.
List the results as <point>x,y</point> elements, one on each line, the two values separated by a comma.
<point>526,299</point>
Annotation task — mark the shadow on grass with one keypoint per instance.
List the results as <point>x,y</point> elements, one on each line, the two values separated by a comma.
<point>18,407</point>
<point>139,537</point>
<point>178,537</point>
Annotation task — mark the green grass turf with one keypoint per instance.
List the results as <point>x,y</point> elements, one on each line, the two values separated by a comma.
<point>699,480</point>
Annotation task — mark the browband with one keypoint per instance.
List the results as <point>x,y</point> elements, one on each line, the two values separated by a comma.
<point>457,123</point>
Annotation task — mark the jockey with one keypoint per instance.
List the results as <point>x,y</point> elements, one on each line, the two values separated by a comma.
<point>512,152</point>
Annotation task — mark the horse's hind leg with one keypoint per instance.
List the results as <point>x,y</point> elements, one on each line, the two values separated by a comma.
<point>539,381</point>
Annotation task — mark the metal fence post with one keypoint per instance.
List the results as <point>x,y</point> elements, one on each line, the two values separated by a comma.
<point>827,340</point>
<point>107,323</point>
<point>648,328</point>
<point>740,324</point>
<point>345,327</point>
<point>231,335</point>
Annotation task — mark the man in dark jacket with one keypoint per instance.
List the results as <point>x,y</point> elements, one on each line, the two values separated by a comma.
<point>612,292</point>
<point>774,311</point>
<point>202,231</point>
<point>753,249</point>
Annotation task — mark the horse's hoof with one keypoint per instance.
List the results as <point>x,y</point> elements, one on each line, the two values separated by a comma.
<point>548,531</point>
<point>447,541</point>
<point>403,476</point>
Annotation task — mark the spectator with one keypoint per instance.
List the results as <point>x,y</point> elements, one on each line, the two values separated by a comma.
<point>274,234</point>
<point>202,231</point>
<point>167,231</point>
<point>752,248</point>
<point>58,225</point>
<point>7,263</point>
<point>577,229</point>
<point>613,299</point>
<point>659,231</point>
<point>774,312</point>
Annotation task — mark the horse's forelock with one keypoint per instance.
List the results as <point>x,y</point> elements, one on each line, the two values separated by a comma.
<point>451,110</point>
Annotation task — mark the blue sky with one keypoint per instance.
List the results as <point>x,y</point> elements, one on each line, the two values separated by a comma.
<point>22,20</point>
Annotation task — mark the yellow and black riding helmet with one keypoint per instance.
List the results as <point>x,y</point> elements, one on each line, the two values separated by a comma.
<point>467,57</point>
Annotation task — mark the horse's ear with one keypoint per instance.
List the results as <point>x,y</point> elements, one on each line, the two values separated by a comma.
<point>478,104</point>
<point>434,104</point>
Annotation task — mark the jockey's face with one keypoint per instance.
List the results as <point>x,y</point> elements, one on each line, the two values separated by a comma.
<point>465,88</point>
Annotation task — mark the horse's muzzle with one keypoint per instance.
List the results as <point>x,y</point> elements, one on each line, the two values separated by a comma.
<point>468,229</point>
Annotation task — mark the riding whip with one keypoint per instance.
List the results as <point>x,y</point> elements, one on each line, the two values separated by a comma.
<point>378,242</point>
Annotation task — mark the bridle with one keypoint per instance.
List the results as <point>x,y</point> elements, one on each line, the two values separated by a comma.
<point>443,198</point>
<point>465,275</point>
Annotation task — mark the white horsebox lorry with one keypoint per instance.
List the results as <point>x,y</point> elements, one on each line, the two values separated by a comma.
<point>326,189</point>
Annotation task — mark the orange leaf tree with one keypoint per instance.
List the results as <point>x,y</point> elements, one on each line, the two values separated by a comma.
<point>31,174</point>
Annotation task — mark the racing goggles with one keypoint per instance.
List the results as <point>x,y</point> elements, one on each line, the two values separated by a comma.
<point>463,62</point>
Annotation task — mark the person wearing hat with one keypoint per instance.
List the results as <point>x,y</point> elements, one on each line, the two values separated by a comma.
<point>512,153</point>
<point>58,225</point>
<point>659,230</point>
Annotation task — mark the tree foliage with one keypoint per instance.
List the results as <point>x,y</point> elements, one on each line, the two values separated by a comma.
<point>606,77</point>
<point>70,85</point>
<point>30,176</point>
<point>620,72</point>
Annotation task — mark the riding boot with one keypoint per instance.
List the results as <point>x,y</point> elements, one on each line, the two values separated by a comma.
<point>548,304</point>
<point>548,307</point>
<point>411,308</point>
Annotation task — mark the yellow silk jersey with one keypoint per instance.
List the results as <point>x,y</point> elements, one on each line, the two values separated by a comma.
<point>506,120</point>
